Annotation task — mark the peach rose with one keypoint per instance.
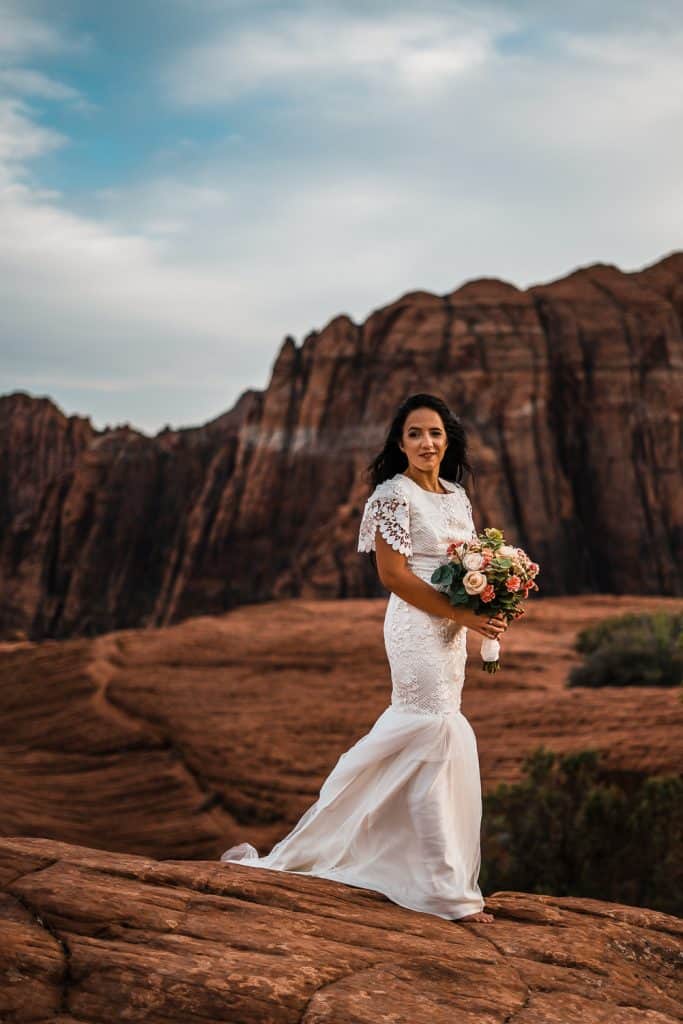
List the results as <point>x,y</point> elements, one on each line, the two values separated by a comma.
<point>488,593</point>
<point>513,583</point>
<point>474,582</point>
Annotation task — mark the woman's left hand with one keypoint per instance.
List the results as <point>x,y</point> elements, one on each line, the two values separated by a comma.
<point>502,620</point>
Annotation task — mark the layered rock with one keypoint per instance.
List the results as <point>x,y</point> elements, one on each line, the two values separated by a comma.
<point>570,392</point>
<point>180,742</point>
<point>95,936</point>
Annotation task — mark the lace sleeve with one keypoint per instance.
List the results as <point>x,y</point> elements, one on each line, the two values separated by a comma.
<point>387,510</point>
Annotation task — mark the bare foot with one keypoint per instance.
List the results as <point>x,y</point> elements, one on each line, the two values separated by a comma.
<point>481,915</point>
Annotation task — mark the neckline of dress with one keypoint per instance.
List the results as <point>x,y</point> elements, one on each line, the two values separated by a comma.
<point>437,494</point>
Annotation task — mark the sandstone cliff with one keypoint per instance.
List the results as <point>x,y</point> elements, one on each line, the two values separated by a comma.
<point>95,936</point>
<point>571,393</point>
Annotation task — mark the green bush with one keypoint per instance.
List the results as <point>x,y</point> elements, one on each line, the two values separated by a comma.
<point>631,650</point>
<point>571,828</point>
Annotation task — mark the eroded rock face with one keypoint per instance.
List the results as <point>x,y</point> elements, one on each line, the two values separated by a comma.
<point>94,936</point>
<point>570,392</point>
<point>183,741</point>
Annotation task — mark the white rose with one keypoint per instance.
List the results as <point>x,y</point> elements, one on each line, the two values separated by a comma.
<point>473,560</point>
<point>506,550</point>
<point>474,582</point>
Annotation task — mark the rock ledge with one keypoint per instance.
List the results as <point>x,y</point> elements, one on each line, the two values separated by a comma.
<point>92,936</point>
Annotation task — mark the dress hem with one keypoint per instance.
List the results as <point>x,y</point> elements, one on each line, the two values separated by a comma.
<point>332,877</point>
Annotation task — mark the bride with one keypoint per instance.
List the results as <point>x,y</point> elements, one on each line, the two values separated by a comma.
<point>400,812</point>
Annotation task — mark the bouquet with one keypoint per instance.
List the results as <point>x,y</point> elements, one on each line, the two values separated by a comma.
<point>488,576</point>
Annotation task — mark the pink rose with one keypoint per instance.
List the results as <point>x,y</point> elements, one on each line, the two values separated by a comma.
<point>488,593</point>
<point>513,583</point>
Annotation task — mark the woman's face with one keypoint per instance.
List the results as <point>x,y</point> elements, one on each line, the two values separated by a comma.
<point>424,440</point>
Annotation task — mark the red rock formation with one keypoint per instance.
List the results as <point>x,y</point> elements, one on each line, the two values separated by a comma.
<point>97,540</point>
<point>182,741</point>
<point>95,936</point>
<point>38,447</point>
<point>571,393</point>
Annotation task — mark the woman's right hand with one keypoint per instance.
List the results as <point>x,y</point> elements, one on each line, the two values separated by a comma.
<point>480,623</point>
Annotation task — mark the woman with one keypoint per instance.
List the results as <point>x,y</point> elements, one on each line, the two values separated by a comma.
<point>400,812</point>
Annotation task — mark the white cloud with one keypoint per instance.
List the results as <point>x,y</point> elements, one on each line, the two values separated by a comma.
<point>409,51</point>
<point>620,87</point>
<point>80,293</point>
<point>405,151</point>
<point>27,82</point>
<point>103,283</point>
<point>21,139</point>
<point>23,34</point>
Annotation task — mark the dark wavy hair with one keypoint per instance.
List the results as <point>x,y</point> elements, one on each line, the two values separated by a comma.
<point>391,460</point>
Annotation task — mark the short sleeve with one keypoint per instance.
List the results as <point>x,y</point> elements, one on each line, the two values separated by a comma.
<point>387,510</point>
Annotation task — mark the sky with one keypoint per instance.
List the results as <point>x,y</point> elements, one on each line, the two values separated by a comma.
<point>184,183</point>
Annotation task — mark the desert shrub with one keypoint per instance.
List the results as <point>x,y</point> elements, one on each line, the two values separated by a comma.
<point>572,828</point>
<point>631,650</point>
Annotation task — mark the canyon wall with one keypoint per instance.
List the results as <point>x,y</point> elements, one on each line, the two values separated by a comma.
<point>570,392</point>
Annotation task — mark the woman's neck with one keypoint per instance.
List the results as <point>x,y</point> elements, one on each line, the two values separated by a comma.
<point>428,481</point>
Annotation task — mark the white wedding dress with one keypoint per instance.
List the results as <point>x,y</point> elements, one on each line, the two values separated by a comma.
<point>400,812</point>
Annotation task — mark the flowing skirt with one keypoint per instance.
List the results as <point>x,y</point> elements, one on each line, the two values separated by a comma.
<point>400,812</point>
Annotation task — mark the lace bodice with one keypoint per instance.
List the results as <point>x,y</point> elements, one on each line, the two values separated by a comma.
<point>427,653</point>
<point>416,522</point>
